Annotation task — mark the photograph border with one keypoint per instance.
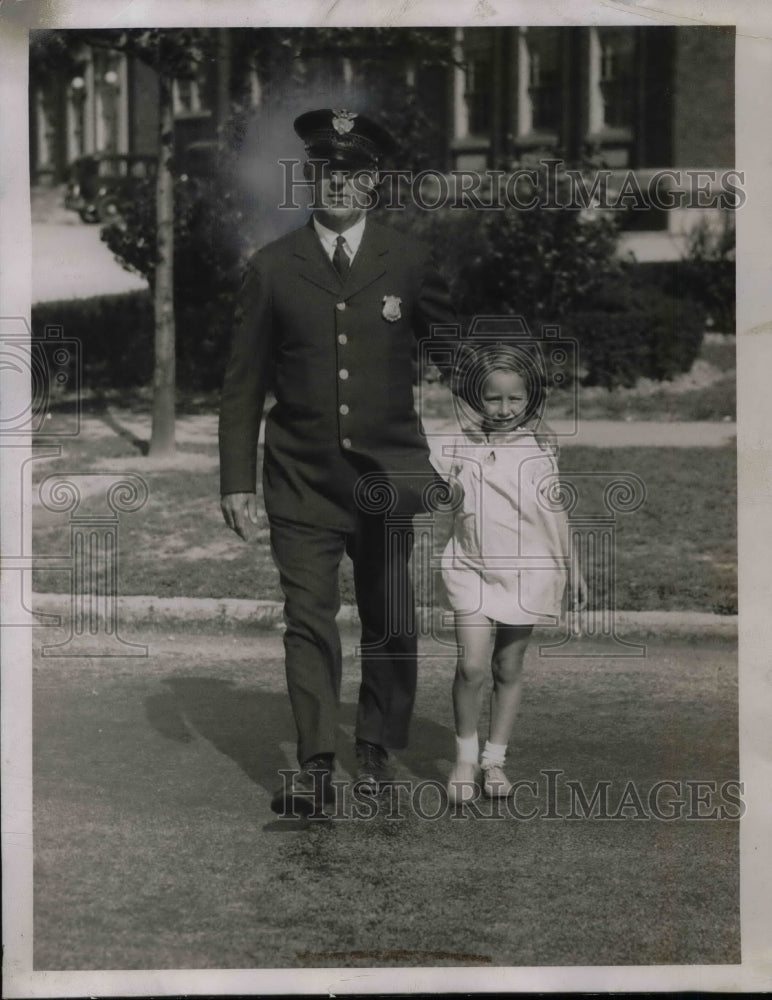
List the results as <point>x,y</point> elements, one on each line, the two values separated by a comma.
<point>753,23</point>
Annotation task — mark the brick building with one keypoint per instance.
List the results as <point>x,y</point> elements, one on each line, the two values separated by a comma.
<point>640,98</point>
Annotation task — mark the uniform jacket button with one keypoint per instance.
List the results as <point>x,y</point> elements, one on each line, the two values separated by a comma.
<point>346,442</point>
<point>340,306</point>
<point>342,338</point>
<point>343,409</point>
<point>343,373</point>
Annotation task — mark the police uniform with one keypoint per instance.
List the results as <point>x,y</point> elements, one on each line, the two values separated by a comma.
<point>339,353</point>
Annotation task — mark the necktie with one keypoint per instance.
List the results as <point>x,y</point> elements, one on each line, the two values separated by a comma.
<point>340,259</point>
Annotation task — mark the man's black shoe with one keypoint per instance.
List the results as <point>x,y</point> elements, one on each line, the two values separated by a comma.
<point>373,767</point>
<point>306,792</point>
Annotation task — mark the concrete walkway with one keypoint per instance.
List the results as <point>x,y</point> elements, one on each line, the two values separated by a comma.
<point>69,261</point>
<point>178,612</point>
<point>201,430</point>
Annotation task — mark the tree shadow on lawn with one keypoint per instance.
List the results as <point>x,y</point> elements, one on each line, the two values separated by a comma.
<point>249,726</point>
<point>100,406</point>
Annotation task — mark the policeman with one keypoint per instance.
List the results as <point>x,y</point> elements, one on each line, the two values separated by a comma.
<point>331,313</point>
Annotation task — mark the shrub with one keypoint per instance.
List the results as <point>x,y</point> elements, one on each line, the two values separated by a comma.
<point>541,264</point>
<point>116,338</point>
<point>634,328</point>
<point>709,271</point>
<point>560,267</point>
<point>115,334</point>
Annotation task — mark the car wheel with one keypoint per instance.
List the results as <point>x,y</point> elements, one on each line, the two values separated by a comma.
<point>89,214</point>
<point>109,209</point>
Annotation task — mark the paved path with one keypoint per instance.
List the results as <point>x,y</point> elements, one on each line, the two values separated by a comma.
<point>155,846</point>
<point>69,261</point>
<point>201,429</point>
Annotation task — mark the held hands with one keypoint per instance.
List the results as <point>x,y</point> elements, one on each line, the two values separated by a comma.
<point>546,438</point>
<point>239,509</point>
<point>577,592</point>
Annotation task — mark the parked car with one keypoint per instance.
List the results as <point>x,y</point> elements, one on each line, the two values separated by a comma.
<point>99,183</point>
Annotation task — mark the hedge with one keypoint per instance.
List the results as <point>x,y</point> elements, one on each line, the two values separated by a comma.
<point>639,323</point>
<point>116,338</point>
<point>644,323</point>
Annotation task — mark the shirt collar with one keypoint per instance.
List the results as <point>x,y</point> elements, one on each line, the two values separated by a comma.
<point>353,236</point>
<point>494,439</point>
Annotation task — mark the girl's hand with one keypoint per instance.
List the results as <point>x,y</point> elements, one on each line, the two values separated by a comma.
<point>577,592</point>
<point>545,437</point>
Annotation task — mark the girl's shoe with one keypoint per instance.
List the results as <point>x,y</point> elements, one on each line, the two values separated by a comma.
<point>496,784</point>
<point>462,782</point>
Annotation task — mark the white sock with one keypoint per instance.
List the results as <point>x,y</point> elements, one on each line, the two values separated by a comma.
<point>467,749</point>
<point>494,754</point>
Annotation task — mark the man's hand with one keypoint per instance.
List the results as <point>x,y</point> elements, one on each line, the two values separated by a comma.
<point>239,509</point>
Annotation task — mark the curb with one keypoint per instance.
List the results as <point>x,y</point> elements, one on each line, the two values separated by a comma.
<point>268,615</point>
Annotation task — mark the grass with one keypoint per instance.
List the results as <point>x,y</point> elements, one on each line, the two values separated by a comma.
<point>155,846</point>
<point>678,551</point>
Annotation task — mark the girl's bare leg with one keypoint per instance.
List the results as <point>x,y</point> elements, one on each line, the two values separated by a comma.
<point>473,637</point>
<point>473,633</point>
<point>507,666</point>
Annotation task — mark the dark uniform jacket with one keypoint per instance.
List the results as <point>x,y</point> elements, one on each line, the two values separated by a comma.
<point>339,357</point>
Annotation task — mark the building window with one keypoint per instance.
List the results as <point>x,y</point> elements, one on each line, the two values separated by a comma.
<point>478,91</point>
<point>187,97</point>
<point>612,65</point>
<point>611,74</point>
<point>473,83</point>
<point>542,73</point>
<point>473,98</point>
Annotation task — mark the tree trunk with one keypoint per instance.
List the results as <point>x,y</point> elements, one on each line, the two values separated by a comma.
<point>162,437</point>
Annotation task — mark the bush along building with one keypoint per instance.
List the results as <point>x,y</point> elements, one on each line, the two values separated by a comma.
<point>631,129</point>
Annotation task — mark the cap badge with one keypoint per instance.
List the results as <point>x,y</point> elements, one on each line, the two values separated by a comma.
<point>391,310</point>
<point>343,121</point>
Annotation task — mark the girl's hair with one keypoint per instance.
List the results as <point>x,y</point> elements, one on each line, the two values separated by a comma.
<point>474,364</point>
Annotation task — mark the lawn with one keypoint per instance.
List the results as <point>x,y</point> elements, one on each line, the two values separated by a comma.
<point>678,551</point>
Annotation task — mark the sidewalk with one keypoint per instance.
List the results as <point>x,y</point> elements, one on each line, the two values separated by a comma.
<point>201,430</point>
<point>155,845</point>
<point>69,261</point>
<point>177,612</point>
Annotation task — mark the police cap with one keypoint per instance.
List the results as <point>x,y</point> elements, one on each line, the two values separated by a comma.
<point>342,136</point>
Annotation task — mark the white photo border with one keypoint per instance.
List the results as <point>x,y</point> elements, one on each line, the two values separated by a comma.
<point>753,22</point>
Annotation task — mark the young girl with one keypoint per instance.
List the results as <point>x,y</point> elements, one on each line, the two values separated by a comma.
<point>505,565</point>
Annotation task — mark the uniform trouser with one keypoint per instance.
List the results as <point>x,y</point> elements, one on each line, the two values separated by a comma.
<point>308,558</point>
